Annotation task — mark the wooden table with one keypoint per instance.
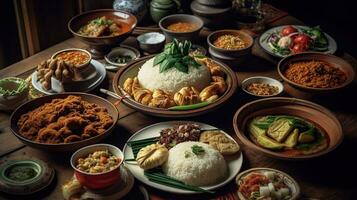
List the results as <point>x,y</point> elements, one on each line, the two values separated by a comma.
<point>329,177</point>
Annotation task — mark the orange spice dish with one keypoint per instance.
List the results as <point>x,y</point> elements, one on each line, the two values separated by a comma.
<point>73,57</point>
<point>64,120</point>
<point>315,74</point>
<point>182,27</point>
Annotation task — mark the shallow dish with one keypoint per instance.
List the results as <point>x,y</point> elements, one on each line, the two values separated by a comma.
<point>97,75</point>
<point>307,110</point>
<point>288,180</point>
<point>132,69</point>
<point>122,50</point>
<point>234,162</point>
<point>13,92</point>
<point>263,41</point>
<point>97,180</point>
<point>262,79</point>
<point>332,60</point>
<point>191,35</point>
<point>151,42</point>
<point>99,46</point>
<point>35,103</point>
<point>42,178</point>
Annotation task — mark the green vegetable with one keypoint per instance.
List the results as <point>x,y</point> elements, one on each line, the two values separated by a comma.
<point>156,175</point>
<point>20,173</point>
<point>269,143</point>
<point>197,150</point>
<point>292,139</point>
<point>139,144</point>
<point>320,42</point>
<point>190,107</point>
<point>122,59</point>
<point>176,54</point>
<point>307,136</point>
<point>280,129</point>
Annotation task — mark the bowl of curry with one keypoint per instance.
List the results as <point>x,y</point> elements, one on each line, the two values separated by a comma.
<point>101,29</point>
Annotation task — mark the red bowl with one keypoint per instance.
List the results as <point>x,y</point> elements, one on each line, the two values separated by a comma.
<point>98,180</point>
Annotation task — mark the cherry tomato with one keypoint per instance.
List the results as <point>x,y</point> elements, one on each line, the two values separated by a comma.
<point>302,39</point>
<point>103,159</point>
<point>287,30</point>
<point>299,47</point>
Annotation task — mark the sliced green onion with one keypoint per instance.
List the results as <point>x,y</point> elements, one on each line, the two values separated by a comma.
<point>190,107</point>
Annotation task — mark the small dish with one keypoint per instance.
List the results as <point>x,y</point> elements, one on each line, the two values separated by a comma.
<point>13,92</point>
<point>264,80</point>
<point>72,52</point>
<point>292,185</point>
<point>97,180</point>
<point>129,52</point>
<point>171,19</point>
<point>151,42</point>
<point>235,53</point>
<point>14,180</point>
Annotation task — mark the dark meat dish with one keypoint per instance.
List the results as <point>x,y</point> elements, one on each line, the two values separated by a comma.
<point>64,121</point>
<point>170,137</point>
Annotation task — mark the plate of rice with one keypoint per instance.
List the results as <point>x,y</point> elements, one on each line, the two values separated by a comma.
<point>195,163</point>
<point>175,85</point>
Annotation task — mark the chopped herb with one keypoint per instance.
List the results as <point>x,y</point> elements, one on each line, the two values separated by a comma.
<point>197,150</point>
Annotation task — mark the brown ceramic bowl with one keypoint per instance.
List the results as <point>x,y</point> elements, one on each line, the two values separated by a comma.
<point>320,116</point>
<point>100,46</point>
<point>35,103</point>
<point>131,70</point>
<point>328,58</point>
<point>248,40</point>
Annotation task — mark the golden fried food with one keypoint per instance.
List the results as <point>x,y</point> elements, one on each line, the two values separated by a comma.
<point>219,141</point>
<point>152,156</point>
<point>64,121</point>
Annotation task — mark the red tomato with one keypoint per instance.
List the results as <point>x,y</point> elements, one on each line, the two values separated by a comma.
<point>302,39</point>
<point>299,47</point>
<point>287,30</point>
<point>103,159</point>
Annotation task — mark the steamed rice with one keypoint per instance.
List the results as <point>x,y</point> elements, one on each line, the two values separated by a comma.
<point>204,169</point>
<point>172,80</point>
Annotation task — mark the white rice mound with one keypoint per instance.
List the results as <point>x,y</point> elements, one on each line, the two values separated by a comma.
<point>208,168</point>
<point>172,80</point>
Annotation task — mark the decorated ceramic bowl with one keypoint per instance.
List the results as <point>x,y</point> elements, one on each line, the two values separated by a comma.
<point>13,92</point>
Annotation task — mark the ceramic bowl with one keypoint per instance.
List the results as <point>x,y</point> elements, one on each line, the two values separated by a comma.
<point>100,46</point>
<point>233,62</point>
<point>151,42</point>
<point>192,35</point>
<point>13,92</point>
<point>97,180</point>
<point>212,16</point>
<point>123,50</point>
<point>332,60</point>
<point>262,79</point>
<point>247,39</point>
<point>42,176</point>
<point>132,70</point>
<point>318,115</point>
<point>288,180</point>
<point>78,67</point>
<point>63,147</point>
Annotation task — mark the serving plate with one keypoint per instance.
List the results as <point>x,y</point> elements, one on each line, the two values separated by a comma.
<point>35,103</point>
<point>234,162</point>
<point>88,84</point>
<point>320,116</point>
<point>131,70</point>
<point>332,45</point>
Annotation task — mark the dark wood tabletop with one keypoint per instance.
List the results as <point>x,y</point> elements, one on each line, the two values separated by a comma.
<point>332,176</point>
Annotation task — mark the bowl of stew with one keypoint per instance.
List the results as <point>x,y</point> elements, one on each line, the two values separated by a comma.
<point>97,166</point>
<point>79,58</point>
<point>181,26</point>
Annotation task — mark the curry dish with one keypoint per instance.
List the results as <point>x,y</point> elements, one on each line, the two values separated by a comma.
<point>64,121</point>
<point>102,26</point>
<point>182,27</point>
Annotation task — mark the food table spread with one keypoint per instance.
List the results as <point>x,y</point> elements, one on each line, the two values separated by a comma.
<point>330,176</point>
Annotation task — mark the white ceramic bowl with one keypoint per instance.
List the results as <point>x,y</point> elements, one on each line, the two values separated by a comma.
<point>151,42</point>
<point>262,79</point>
